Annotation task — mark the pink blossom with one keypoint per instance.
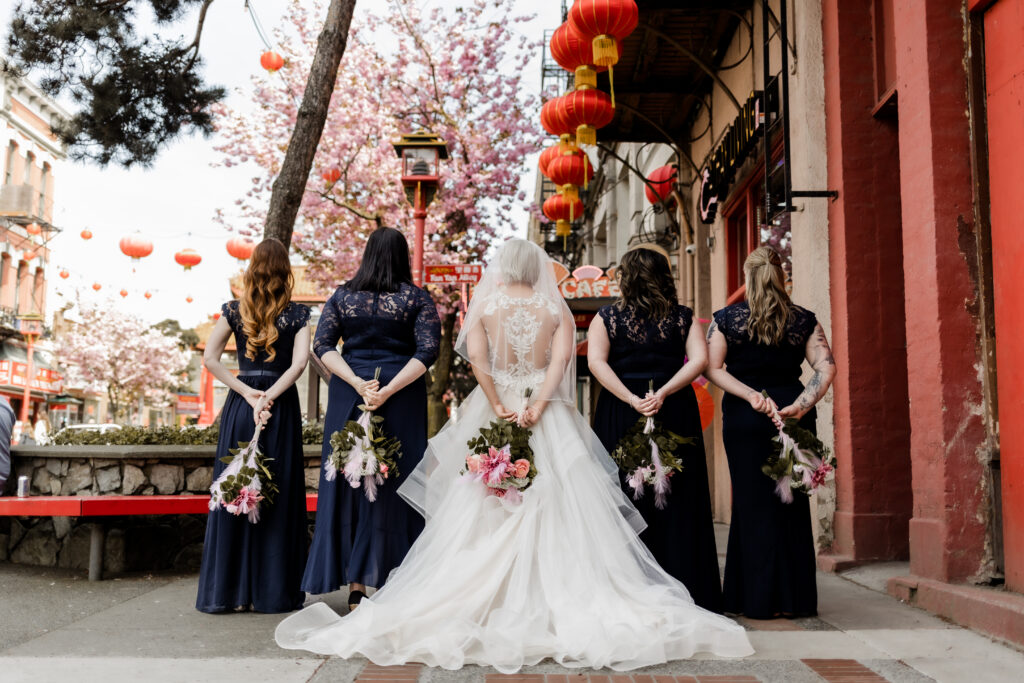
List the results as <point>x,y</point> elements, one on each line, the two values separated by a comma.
<point>522,467</point>
<point>384,470</point>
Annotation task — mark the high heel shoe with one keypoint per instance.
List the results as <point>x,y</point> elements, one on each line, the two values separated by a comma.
<point>354,598</point>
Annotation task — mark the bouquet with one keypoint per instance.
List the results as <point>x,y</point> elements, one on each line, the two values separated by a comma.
<point>502,459</point>
<point>800,462</point>
<point>364,453</point>
<point>647,453</point>
<point>245,482</point>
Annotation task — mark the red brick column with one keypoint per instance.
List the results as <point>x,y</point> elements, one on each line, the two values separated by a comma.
<point>871,423</point>
<point>948,531</point>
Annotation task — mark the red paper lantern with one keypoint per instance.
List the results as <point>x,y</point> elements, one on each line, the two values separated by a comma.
<point>705,405</point>
<point>123,293</point>
<point>216,316</point>
<point>86,234</point>
<point>97,286</point>
<point>585,111</point>
<point>189,299</point>
<point>574,52</point>
<point>240,248</point>
<point>188,258</point>
<point>331,175</point>
<point>662,179</point>
<point>570,171</point>
<point>271,61</point>
<point>136,247</point>
<point>563,210</point>
<point>547,156</point>
<point>605,22</point>
<point>28,255</point>
<point>147,295</point>
<point>64,275</point>
<point>553,121</point>
<point>33,229</point>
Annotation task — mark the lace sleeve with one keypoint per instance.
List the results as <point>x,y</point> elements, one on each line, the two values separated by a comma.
<point>685,321</point>
<point>427,330</point>
<point>723,324</point>
<point>803,325</point>
<point>230,312</point>
<point>607,314</point>
<point>328,330</point>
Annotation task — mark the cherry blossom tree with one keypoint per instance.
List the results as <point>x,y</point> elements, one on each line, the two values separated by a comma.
<point>119,354</point>
<point>454,72</point>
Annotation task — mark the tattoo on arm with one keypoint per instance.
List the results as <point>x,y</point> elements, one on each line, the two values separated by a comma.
<point>821,359</point>
<point>712,328</point>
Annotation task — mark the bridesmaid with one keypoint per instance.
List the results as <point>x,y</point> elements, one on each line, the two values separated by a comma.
<point>641,338</point>
<point>259,566</point>
<point>383,321</point>
<point>759,345</point>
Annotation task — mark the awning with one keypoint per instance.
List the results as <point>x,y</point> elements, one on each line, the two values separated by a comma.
<point>14,366</point>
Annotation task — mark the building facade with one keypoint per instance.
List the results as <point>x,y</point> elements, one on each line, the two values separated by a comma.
<point>31,153</point>
<point>877,147</point>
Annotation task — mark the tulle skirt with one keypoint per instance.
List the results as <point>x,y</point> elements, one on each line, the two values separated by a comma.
<point>560,575</point>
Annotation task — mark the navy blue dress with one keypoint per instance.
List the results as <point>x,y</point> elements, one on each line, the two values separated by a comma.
<point>356,541</point>
<point>260,564</point>
<point>770,563</point>
<point>681,536</point>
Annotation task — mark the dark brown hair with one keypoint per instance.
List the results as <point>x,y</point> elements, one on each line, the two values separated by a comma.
<point>646,283</point>
<point>266,291</point>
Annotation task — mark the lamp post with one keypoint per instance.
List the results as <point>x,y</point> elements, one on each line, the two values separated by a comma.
<point>421,154</point>
<point>30,325</point>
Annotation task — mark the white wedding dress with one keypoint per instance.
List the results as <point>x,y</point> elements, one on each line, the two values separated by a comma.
<point>561,574</point>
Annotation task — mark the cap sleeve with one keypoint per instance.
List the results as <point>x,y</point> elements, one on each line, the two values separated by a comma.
<point>803,325</point>
<point>298,317</point>
<point>607,314</point>
<point>230,312</point>
<point>685,320</point>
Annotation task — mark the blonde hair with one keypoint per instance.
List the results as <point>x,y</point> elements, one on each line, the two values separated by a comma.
<point>766,294</point>
<point>266,291</point>
<point>519,261</point>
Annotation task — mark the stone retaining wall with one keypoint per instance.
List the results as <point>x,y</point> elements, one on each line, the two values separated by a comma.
<point>133,543</point>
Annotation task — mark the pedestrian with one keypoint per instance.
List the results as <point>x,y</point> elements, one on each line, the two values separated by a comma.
<point>42,430</point>
<point>648,336</point>
<point>385,322</point>
<point>6,430</point>
<point>259,565</point>
<point>756,346</point>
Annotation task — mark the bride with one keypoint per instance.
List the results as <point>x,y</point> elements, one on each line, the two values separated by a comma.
<point>561,574</point>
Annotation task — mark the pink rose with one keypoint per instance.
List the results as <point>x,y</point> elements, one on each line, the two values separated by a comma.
<point>522,467</point>
<point>473,463</point>
<point>384,470</point>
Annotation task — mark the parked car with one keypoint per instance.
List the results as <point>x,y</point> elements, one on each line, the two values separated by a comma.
<point>101,428</point>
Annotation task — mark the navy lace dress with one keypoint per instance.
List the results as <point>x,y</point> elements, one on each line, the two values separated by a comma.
<point>681,536</point>
<point>260,565</point>
<point>356,541</point>
<point>770,563</point>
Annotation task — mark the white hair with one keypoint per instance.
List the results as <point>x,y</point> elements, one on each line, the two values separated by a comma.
<point>520,261</point>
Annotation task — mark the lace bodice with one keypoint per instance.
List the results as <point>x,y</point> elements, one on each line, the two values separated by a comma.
<point>761,365</point>
<point>292,319</point>
<point>519,334</point>
<point>643,346</point>
<point>370,324</point>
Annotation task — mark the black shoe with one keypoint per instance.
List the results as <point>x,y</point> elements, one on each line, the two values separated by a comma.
<point>354,598</point>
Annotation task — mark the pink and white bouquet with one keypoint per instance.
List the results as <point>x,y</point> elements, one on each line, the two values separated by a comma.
<point>501,458</point>
<point>800,462</point>
<point>245,482</point>
<point>364,454</point>
<point>647,453</point>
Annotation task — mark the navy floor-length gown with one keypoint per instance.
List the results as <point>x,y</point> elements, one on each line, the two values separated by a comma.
<point>681,536</point>
<point>356,541</point>
<point>770,562</point>
<point>260,565</point>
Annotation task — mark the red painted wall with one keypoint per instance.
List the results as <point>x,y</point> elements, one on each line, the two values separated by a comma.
<point>1004,86</point>
<point>871,420</point>
<point>948,530</point>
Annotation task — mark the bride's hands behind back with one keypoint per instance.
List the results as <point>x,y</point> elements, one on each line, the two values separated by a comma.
<point>503,413</point>
<point>531,415</point>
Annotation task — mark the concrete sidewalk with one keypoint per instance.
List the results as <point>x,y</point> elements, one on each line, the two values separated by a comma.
<point>57,626</point>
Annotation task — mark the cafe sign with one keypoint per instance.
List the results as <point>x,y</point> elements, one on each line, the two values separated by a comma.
<point>736,146</point>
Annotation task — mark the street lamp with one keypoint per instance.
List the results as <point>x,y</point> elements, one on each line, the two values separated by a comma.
<point>30,325</point>
<point>421,154</point>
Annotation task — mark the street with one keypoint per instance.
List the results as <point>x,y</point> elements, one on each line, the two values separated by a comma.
<point>56,626</point>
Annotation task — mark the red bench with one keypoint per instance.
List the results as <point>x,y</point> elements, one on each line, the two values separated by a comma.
<point>109,506</point>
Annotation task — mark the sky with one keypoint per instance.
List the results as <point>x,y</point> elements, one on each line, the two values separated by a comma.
<point>173,203</point>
